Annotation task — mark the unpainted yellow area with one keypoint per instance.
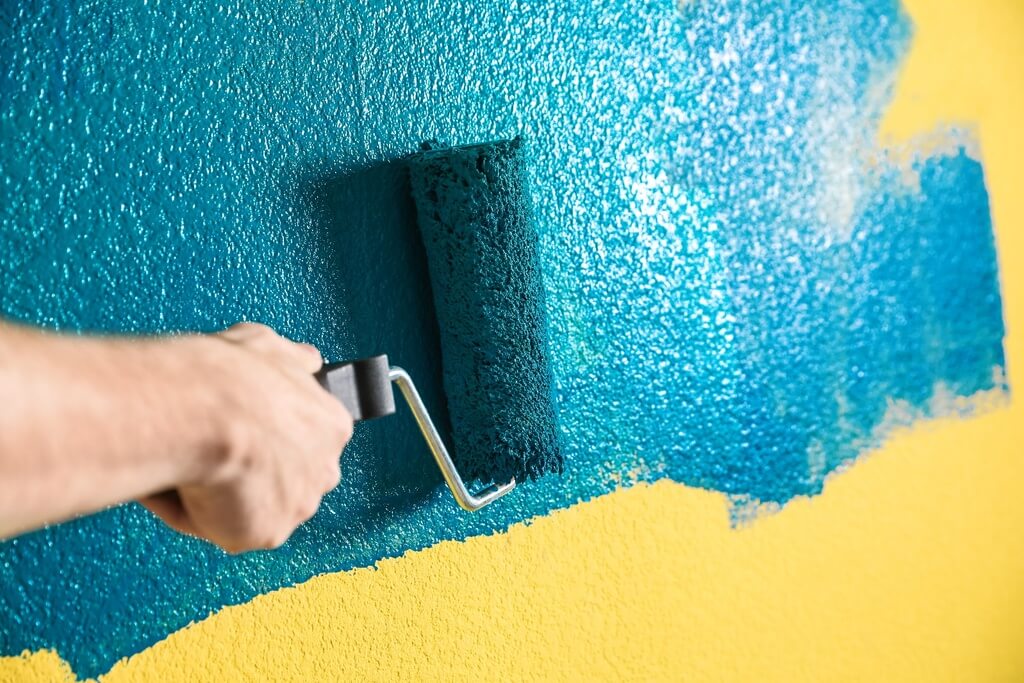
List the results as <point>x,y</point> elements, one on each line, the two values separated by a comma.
<point>910,567</point>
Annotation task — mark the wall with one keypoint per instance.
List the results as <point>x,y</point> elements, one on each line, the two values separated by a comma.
<point>905,566</point>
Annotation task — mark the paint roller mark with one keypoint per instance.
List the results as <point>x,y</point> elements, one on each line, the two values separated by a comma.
<point>820,335</point>
<point>791,284</point>
<point>743,292</point>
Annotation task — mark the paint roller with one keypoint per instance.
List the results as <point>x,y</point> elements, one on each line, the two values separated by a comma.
<point>474,218</point>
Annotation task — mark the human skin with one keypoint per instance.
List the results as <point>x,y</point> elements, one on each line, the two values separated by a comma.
<point>225,436</point>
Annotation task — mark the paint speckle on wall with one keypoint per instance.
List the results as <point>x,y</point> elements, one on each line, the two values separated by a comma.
<point>744,290</point>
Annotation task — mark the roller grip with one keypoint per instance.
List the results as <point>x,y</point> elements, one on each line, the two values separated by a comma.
<point>363,386</point>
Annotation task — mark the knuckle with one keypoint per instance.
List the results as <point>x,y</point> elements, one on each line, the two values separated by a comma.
<point>245,327</point>
<point>255,336</point>
<point>332,478</point>
<point>275,539</point>
<point>256,533</point>
<point>309,509</point>
<point>337,421</point>
<point>234,454</point>
<point>344,434</point>
<point>260,330</point>
<point>233,546</point>
<point>312,357</point>
<point>345,425</point>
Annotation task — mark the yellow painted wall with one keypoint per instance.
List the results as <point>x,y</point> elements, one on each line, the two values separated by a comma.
<point>910,566</point>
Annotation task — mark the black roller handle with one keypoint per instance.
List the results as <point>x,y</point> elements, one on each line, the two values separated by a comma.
<point>363,386</point>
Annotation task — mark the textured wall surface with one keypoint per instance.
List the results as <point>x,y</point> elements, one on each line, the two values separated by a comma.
<point>744,293</point>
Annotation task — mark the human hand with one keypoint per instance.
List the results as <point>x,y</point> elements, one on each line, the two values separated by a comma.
<point>276,439</point>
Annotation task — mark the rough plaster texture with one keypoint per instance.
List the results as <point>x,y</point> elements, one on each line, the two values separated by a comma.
<point>870,582</point>
<point>743,292</point>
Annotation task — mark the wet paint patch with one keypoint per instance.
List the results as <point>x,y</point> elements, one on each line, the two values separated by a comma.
<point>743,292</point>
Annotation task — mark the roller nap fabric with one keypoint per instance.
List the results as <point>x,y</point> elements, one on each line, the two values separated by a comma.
<point>473,211</point>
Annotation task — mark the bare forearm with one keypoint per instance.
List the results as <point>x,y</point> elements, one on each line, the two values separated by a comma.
<point>91,422</point>
<point>225,436</point>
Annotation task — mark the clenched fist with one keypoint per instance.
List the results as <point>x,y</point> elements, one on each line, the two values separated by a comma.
<point>279,439</point>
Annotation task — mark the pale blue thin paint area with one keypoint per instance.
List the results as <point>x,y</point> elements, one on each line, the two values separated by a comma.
<point>741,288</point>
